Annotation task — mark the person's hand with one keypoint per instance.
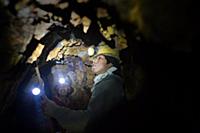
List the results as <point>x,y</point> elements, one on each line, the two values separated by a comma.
<point>61,101</point>
<point>48,106</point>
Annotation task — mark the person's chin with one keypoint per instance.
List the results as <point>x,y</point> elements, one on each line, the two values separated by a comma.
<point>95,71</point>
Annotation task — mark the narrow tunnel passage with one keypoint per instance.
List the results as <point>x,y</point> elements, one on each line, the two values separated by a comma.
<point>155,44</point>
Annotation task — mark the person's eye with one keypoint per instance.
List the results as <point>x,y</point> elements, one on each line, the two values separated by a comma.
<point>99,58</point>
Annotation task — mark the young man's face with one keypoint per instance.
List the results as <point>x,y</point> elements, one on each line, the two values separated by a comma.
<point>100,64</point>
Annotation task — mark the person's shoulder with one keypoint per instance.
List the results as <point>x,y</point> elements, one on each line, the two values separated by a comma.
<point>114,77</point>
<point>110,80</point>
<point>113,80</point>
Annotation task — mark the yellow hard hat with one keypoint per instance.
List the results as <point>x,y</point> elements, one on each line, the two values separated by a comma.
<point>103,49</point>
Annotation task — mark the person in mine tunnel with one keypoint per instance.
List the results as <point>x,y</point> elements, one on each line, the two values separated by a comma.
<point>107,94</point>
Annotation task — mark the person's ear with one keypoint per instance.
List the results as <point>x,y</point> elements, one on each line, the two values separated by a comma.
<point>110,65</point>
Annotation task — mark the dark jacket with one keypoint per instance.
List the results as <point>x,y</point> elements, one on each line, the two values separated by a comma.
<point>107,98</point>
<point>106,95</point>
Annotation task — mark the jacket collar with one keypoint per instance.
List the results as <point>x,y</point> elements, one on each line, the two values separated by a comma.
<point>100,77</point>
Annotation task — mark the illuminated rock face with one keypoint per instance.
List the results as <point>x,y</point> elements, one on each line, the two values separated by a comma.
<point>78,81</point>
<point>77,77</point>
<point>31,22</point>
